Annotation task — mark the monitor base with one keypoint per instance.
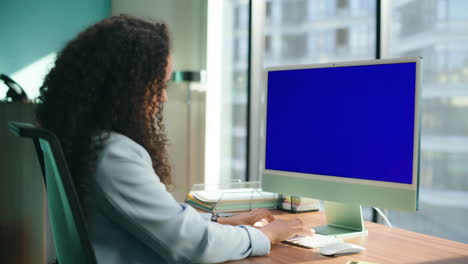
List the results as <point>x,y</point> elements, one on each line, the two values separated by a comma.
<point>343,220</point>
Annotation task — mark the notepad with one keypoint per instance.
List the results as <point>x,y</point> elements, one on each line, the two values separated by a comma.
<point>233,195</point>
<point>231,199</point>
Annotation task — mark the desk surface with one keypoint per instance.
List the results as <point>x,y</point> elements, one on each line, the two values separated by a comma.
<point>384,245</point>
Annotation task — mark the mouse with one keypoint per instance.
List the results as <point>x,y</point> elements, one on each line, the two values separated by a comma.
<point>340,249</point>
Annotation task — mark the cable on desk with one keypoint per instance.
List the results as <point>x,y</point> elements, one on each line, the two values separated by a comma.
<point>383,216</point>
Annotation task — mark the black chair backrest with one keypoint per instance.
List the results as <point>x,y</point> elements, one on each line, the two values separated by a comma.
<point>67,222</point>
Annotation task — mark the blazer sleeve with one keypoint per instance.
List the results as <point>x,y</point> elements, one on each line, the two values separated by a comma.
<point>133,193</point>
<point>206,216</point>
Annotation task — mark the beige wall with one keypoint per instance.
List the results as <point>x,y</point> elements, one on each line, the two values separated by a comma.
<point>184,113</point>
<point>187,24</point>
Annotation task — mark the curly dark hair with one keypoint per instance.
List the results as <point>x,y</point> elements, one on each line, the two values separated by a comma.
<point>109,78</point>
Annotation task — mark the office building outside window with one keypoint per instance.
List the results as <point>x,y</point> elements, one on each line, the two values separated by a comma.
<point>317,31</point>
<point>437,30</point>
<point>234,132</point>
<point>227,90</point>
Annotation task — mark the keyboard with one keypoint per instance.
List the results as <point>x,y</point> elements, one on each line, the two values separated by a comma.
<point>314,241</point>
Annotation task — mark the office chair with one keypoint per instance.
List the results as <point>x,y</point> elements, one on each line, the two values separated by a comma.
<point>67,222</point>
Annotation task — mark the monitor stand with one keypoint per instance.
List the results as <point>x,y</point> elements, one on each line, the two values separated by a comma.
<point>343,220</point>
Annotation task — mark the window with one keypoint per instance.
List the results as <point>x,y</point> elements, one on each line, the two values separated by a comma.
<point>436,30</point>
<point>342,4</point>
<point>294,11</point>
<point>228,63</point>
<point>268,11</point>
<point>342,40</point>
<point>315,31</point>
<point>268,45</point>
<point>294,46</point>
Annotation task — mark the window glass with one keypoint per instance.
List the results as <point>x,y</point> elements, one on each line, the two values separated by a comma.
<point>316,31</point>
<point>234,132</point>
<point>227,85</point>
<point>437,31</point>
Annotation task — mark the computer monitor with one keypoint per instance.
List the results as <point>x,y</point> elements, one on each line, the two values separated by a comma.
<point>347,133</point>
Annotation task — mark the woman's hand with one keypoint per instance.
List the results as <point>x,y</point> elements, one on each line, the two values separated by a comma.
<point>257,216</point>
<point>280,230</point>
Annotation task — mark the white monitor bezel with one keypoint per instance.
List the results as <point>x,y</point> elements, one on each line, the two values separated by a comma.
<point>417,125</point>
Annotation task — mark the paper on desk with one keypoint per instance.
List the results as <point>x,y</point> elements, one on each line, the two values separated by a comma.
<point>233,195</point>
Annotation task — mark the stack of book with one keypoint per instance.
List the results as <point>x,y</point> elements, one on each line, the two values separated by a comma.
<point>232,200</point>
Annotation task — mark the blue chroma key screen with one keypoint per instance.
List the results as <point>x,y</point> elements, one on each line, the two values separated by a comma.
<point>354,122</point>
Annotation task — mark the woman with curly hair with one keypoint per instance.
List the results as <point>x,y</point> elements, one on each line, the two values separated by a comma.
<point>104,99</point>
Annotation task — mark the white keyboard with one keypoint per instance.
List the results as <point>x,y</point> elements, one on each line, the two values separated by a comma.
<point>314,241</point>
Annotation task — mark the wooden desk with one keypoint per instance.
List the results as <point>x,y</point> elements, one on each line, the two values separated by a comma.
<point>384,245</point>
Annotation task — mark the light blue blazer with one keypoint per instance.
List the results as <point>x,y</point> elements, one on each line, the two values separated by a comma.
<point>133,219</point>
